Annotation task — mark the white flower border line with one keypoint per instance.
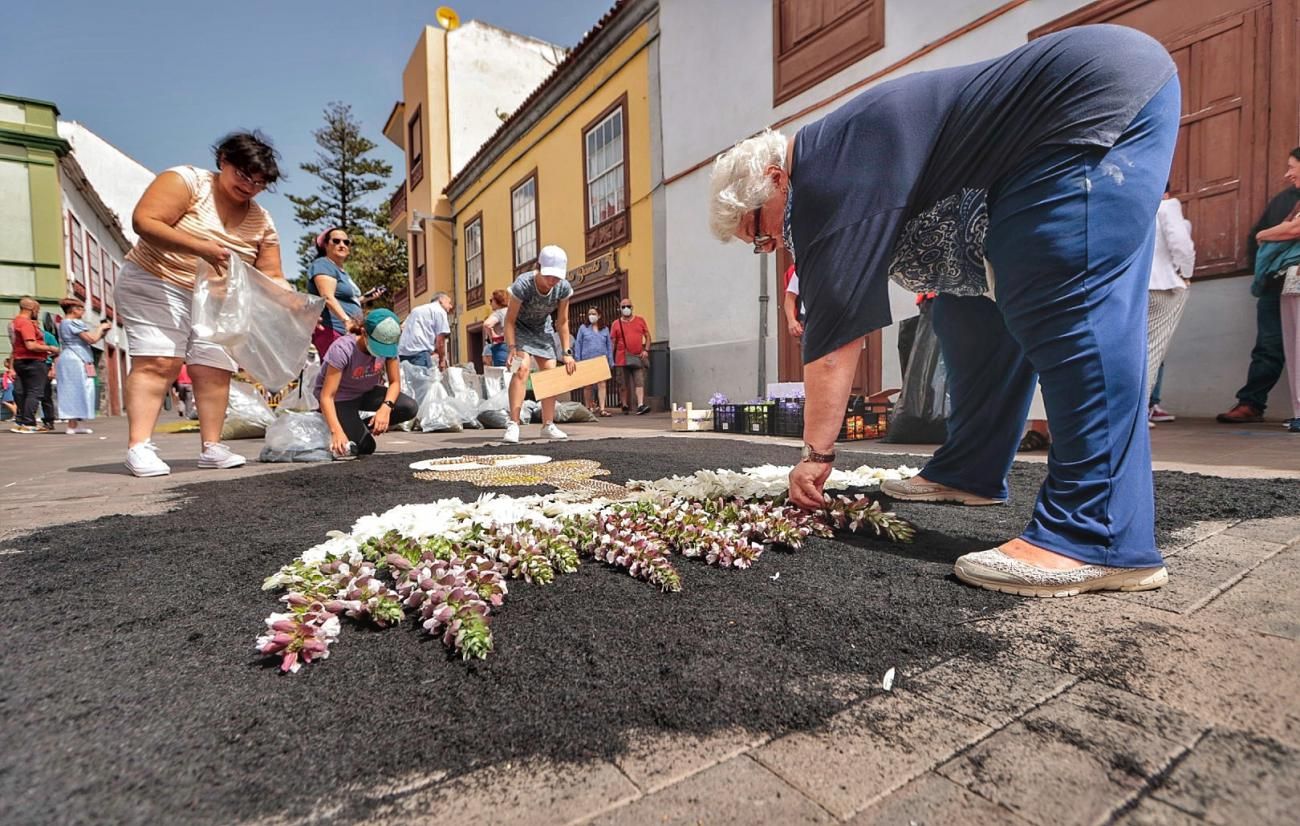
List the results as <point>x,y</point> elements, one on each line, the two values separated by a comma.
<point>448,561</point>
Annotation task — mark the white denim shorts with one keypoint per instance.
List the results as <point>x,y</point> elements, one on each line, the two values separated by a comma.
<point>156,314</point>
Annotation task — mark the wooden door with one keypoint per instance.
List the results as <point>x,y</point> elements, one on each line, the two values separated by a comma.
<point>1221,169</point>
<point>789,354</point>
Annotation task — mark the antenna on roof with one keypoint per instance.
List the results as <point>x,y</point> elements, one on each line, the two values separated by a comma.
<point>447,18</point>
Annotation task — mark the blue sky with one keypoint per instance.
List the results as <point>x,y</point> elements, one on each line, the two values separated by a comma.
<point>163,79</point>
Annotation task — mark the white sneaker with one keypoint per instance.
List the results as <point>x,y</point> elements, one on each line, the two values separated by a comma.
<point>550,431</point>
<point>73,431</point>
<point>142,460</point>
<point>512,433</point>
<point>217,455</point>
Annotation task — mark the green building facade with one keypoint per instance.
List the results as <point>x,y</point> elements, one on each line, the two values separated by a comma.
<point>31,206</point>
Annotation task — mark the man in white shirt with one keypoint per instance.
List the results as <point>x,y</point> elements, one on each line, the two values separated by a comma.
<point>1171,273</point>
<point>425,333</point>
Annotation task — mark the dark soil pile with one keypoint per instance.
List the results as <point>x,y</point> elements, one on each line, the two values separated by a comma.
<point>130,690</point>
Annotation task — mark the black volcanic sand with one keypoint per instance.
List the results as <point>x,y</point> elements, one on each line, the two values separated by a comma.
<point>130,690</point>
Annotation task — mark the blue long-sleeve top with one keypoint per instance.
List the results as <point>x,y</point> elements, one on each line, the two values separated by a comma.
<point>591,343</point>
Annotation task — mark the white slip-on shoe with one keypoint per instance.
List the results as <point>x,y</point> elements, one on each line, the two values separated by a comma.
<point>142,460</point>
<point>996,571</point>
<point>550,431</point>
<point>217,455</point>
<point>512,433</point>
<point>911,490</point>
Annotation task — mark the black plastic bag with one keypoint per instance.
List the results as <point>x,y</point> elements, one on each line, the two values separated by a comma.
<point>921,415</point>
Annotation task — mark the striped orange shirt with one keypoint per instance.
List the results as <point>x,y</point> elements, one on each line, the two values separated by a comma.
<point>202,221</point>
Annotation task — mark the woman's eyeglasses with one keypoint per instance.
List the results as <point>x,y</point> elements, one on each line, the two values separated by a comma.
<point>342,242</point>
<point>761,239</point>
<point>248,180</point>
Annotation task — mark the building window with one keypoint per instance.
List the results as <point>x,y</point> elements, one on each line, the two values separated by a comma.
<point>474,261</point>
<point>816,38</point>
<point>604,153</point>
<point>110,278</point>
<point>96,271</point>
<point>75,254</point>
<point>415,148</point>
<point>523,221</point>
<point>421,280</point>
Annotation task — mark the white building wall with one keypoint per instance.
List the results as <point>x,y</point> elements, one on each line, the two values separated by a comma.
<point>490,70</point>
<point>118,179</point>
<point>716,75</point>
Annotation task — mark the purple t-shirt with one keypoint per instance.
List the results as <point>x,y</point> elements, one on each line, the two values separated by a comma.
<point>361,371</point>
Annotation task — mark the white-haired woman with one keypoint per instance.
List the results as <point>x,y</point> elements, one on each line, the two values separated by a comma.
<point>1049,163</point>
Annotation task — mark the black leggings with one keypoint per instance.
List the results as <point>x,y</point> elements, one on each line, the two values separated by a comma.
<point>31,391</point>
<point>349,413</point>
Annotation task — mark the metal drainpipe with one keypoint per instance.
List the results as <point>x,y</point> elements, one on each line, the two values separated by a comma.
<point>455,325</point>
<point>762,325</point>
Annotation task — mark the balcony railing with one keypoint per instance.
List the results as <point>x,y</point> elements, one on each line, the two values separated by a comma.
<point>397,205</point>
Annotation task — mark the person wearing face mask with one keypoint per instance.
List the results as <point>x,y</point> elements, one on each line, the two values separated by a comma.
<point>593,342</point>
<point>631,338</point>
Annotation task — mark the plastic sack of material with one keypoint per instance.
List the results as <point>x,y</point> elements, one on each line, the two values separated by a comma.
<point>530,410</point>
<point>297,437</point>
<point>494,381</point>
<point>568,412</point>
<point>247,413</point>
<point>265,325</point>
<point>416,381</point>
<point>303,395</point>
<point>921,415</point>
<point>436,413</point>
<point>462,397</point>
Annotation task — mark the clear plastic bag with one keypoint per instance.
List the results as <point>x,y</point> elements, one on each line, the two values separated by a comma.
<point>416,381</point>
<point>571,412</point>
<point>303,396</point>
<point>297,437</point>
<point>247,413</point>
<point>436,413</point>
<point>266,327</point>
<point>462,397</point>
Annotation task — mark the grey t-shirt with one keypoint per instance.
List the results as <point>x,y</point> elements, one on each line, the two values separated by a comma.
<point>944,139</point>
<point>534,332</point>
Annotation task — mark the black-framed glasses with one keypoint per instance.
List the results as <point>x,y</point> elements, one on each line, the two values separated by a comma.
<point>760,238</point>
<point>343,242</point>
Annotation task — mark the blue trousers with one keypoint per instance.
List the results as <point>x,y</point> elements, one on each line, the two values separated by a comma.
<point>418,359</point>
<point>1070,238</point>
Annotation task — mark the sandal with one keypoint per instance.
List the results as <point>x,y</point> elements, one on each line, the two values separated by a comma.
<point>602,412</point>
<point>1033,440</point>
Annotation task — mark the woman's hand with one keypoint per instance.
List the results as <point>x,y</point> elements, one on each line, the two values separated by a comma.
<point>796,329</point>
<point>379,424</point>
<point>214,253</point>
<point>339,443</point>
<point>807,480</point>
<point>570,365</point>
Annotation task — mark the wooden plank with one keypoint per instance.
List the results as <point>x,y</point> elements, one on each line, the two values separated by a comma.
<point>553,382</point>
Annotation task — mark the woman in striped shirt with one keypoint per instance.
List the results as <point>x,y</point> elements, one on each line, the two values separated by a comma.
<point>187,214</point>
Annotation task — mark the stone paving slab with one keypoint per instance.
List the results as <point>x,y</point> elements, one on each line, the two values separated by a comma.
<point>1266,600</point>
<point>1282,530</point>
<point>995,693</point>
<point>1073,761</point>
<point>869,750</point>
<point>933,799</point>
<point>737,791</point>
<point>1234,778</point>
<point>1190,535</point>
<point>1149,812</point>
<point>1202,571</point>
<point>1225,675</point>
<point>657,759</point>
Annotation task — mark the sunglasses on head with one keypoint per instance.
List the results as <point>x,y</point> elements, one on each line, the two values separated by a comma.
<point>341,241</point>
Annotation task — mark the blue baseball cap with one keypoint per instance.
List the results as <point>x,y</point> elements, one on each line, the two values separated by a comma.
<point>383,331</point>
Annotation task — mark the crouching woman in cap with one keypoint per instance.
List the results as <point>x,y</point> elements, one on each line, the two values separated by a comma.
<point>351,382</point>
<point>1049,162</point>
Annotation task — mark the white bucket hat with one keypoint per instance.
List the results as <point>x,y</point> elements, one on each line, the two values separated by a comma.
<point>553,262</point>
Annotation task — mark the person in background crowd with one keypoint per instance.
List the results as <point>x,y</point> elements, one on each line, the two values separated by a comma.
<point>1172,263</point>
<point>631,337</point>
<point>30,362</point>
<point>343,298</point>
<point>351,382</point>
<point>494,327</point>
<point>76,365</point>
<point>426,332</point>
<point>1277,267</point>
<point>185,215</point>
<point>593,342</point>
<point>7,406</point>
<point>530,334</point>
<point>48,413</point>
<point>1268,355</point>
<point>790,304</point>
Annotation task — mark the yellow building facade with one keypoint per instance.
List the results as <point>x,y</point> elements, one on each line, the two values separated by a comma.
<point>571,167</point>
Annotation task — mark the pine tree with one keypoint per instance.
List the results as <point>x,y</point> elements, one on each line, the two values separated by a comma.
<point>347,180</point>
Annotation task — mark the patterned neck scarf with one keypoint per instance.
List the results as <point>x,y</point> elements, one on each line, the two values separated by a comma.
<point>786,237</point>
